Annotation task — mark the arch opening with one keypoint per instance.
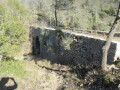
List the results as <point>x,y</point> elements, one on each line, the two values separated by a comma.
<point>37,45</point>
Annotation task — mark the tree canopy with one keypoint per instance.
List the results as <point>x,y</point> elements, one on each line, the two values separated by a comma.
<point>83,14</point>
<point>12,29</point>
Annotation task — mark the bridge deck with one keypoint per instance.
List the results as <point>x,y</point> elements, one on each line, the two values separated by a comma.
<point>91,33</point>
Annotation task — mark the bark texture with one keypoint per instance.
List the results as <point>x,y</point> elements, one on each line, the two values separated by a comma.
<point>56,21</point>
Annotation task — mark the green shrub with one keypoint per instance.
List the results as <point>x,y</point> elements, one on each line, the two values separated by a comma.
<point>110,11</point>
<point>109,77</point>
<point>12,29</point>
<point>102,14</point>
<point>12,37</point>
<point>59,33</point>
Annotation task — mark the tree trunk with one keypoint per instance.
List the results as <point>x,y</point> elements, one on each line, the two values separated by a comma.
<point>109,39</point>
<point>56,14</point>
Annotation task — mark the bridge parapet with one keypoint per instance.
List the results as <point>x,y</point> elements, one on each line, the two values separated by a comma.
<point>96,32</point>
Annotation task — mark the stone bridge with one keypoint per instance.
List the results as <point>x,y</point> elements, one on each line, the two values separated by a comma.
<point>68,46</point>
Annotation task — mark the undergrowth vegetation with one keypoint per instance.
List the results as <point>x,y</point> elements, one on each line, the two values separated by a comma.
<point>13,68</point>
<point>13,17</point>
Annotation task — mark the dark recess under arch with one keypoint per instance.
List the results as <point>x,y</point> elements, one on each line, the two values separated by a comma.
<point>37,45</point>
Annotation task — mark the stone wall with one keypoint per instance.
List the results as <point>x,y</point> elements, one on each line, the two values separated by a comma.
<point>70,47</point>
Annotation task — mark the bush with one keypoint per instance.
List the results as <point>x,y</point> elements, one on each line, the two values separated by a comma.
<point>12,37</point>
<point>110,11</point>
<point>12,29</point>
<point>109,77</point>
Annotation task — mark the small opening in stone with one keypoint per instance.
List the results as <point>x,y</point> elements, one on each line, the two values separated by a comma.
<point>37,43</point>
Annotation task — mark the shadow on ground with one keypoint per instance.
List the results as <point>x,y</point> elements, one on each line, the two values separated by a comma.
<point>89,75</point>
<point>4,81</point>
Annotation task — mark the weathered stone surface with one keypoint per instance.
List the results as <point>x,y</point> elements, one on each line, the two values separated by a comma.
<point>82,47</point>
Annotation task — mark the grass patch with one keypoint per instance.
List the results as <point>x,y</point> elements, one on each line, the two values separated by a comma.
<point>13,67</point>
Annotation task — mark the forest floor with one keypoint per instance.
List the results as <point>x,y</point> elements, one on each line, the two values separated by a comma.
<point>41,74</point>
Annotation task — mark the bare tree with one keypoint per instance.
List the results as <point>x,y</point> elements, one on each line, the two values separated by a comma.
<point>109,39</point>
<point>56,21</point>
<point>61,5</point>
